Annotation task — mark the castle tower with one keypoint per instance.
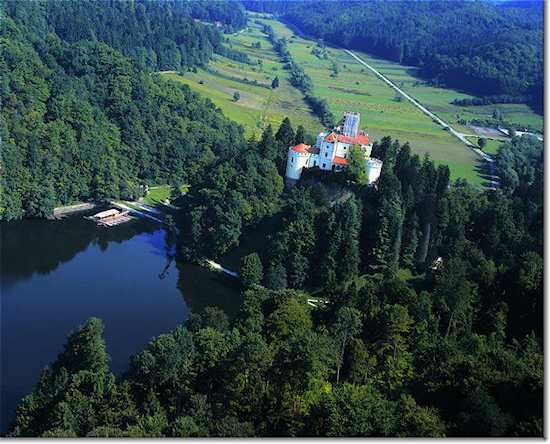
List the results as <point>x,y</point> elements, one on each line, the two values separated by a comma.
<point>351,123</point>
<point>373,169</point>
<point>297,160</point>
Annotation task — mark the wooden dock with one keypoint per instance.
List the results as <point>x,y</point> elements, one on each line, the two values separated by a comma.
<point>111,218</point>
<point>115,220</point>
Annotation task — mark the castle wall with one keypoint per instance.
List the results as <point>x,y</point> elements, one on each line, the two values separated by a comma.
<point>341,149</point>
<point>368,150</point>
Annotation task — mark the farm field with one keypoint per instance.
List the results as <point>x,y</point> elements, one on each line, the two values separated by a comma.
<point>491,146</point>
<point>438,100</point>
<point>383,113</point>
<point>259,104</point>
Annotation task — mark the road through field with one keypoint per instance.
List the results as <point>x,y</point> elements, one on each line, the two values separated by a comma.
<point>460,136</point>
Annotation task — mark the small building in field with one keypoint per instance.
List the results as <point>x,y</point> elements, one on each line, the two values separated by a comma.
<point>331,151</point>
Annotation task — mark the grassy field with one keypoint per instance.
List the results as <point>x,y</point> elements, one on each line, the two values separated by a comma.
<point>258,105</point>
<point>382,111</point>
<point>492,144</point>
<point>438,100</point>
<point>159,194</point>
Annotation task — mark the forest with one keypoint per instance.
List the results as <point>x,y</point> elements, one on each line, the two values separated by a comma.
<point>452,349</point>
<point>412,308</point>
<point>80,121</point>
<point>166,35</point>
<point>479,47</point>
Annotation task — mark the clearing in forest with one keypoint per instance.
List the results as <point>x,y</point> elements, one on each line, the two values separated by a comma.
<point>258,104</point>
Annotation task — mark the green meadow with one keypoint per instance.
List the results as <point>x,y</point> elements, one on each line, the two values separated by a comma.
<point>491,147</point>
<point>438,100</point>
<point>259,104</point>
<point>351,87</point>
<point>383,112</point>
<point>159,194</point>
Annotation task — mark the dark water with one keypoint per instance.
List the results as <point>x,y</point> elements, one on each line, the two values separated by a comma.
<point>56,274</point>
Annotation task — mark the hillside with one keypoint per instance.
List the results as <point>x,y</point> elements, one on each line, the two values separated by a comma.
<point>409,305</point>
<point>81,121</point>
<point>347,85</point>
<point>259,104</point>
<point>158,35</point>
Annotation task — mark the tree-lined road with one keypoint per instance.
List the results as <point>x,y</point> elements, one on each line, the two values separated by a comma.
<point>445,125</point>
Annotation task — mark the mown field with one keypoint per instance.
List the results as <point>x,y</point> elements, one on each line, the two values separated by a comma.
<point>491,147</point>
<point>438,100</point>
<point>383,112</point>
<point>258,104</point>
<point>160,193</point>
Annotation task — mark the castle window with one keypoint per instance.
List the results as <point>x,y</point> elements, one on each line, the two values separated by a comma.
<point>292,159</point>
<point>326,154</point>
<point>324,165</point>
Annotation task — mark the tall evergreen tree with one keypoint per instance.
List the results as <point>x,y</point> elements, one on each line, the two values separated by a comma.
<point>300,135</point>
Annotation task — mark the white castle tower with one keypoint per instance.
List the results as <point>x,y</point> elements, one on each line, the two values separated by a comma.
<point>374,168</point>
<point>299,157</point>
<point>331,150</point>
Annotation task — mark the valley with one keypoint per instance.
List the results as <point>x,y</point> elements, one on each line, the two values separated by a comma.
<point>349,87</point>
<point>259,104</point>
<point>200,239</point>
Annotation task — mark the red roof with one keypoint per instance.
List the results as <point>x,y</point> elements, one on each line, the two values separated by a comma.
<point>303,148</point>
<point>360,139</point>
<point>340,160</point>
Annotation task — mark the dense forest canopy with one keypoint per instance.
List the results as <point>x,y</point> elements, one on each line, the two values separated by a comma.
<point>475,46</point>
<point>80,121</point>
<point>161,35</point>
<point>454,351</point>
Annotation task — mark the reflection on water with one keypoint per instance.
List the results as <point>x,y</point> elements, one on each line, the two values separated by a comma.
<point>56,274</point>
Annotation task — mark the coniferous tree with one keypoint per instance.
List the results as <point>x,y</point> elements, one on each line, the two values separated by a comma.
<point>275,277</point>
<point>300,135</point>
<point>267,144</point>
<point>348,323</point>
<point>410,242</point>
<point>285,133</point>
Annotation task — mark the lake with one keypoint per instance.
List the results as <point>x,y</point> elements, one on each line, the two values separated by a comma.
<point>57,274</point>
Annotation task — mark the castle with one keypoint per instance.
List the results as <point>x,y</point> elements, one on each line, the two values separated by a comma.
<point>331,150</point>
